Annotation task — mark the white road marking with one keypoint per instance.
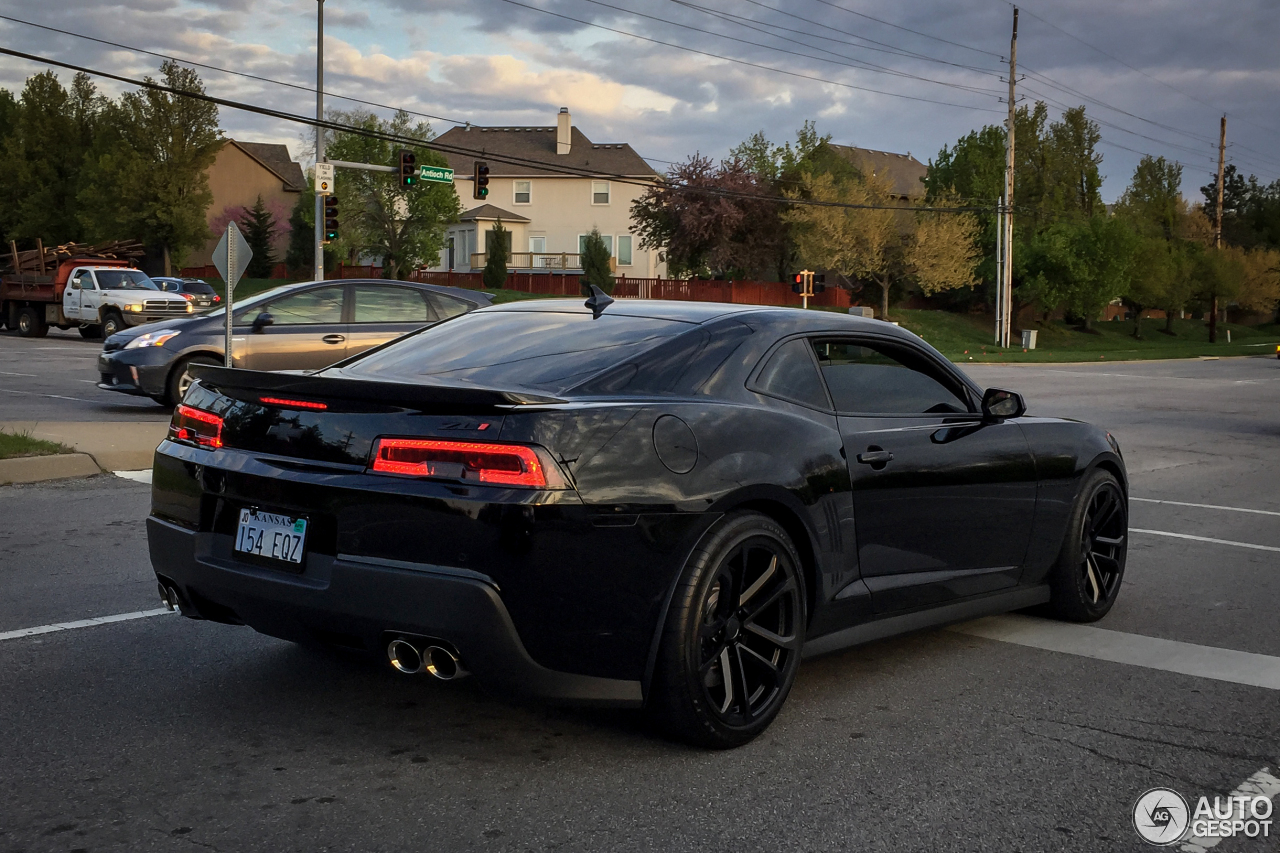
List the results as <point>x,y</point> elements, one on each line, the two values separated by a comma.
<point>1261,784</point>
<point>1236,667</point>
<point>51,396</point>
<point>1207,506</point>
<point>83,623</point>
<point>142,476</point>
<point>7,373</point>
<point>1206,539</point>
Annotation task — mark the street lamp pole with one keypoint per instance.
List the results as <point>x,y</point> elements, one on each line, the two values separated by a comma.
<point>320,158</point>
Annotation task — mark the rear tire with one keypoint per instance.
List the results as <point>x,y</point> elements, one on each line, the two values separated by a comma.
<point>111,323</point>
<point>731,643</point>
<point>91,333</point>
<point>180,379</point>
<point>1085,580</point>
<point>31,324</point>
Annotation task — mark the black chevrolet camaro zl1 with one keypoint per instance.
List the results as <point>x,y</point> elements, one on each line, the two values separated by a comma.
<point>646,504</point>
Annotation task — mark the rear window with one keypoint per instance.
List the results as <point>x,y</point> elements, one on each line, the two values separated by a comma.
<point>541,351</point>
<point>198,287</point>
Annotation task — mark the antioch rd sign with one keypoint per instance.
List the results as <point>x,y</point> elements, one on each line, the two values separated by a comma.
<point>435,173</point>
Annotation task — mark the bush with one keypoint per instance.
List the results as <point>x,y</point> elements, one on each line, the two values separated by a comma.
<point>495,268</point>
<point>595,264</point>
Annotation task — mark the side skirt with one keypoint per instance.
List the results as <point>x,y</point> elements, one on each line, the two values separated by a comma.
<point>962,611</point>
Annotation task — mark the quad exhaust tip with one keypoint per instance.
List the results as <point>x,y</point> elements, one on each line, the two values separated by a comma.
<point>437,660</point>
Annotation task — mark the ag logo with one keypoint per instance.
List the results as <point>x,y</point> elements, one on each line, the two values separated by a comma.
<point>1160,816</point>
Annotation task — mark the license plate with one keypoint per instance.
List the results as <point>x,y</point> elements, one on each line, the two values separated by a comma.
<point>271,536</point>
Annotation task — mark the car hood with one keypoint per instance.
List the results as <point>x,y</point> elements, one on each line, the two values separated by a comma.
<point>122,337</point>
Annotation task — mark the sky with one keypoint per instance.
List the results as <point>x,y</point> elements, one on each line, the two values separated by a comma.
<point>675,77</point>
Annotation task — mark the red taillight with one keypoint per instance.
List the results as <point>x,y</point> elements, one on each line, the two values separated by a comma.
<point>287,403</point>
<point>204,429</point>
<point>188,296</point>
<point>217,298</point>
<point>486,462</point>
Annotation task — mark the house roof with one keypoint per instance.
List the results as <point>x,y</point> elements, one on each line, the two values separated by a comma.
<point>276,159</point>
<point>904,172</point>
<point>538,144</point>
<point>491,211</point>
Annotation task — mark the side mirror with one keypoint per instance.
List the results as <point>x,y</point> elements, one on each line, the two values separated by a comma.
<point>262,321</point>
<point>998,405</point>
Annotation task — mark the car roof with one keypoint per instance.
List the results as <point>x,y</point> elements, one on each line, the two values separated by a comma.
<point>794,319</point>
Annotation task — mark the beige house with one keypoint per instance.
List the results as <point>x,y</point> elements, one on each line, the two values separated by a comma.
<point>242,172</point>
<point>904,173</point>
<point>549,213</point>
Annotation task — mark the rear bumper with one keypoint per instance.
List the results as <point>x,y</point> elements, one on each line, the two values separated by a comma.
<point>363,602</point>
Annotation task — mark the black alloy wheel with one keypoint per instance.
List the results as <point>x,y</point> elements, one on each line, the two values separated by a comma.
<point>733,637</point>
<point>1086,579</point>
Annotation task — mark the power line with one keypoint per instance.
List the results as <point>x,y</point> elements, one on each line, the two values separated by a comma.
<point>743,61</point>
<point>750,23</point>
<point>1138,70</point>
<point>843,60</point>
<point>908,29</point>
<point>436,145</point>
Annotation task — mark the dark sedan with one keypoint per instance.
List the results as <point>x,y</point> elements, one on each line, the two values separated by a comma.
<point>294,327</point>
<point>661,505</point>
<point>199,293</point>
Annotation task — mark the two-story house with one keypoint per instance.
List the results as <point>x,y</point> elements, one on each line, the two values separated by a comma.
<point>562,186</point>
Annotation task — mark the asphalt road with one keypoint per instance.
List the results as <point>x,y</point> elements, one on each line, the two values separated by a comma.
<point>55,379</point>
<point>165,734</point>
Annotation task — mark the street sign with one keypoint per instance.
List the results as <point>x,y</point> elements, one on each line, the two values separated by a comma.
<point>231,257</point>
<point>324,178</point>
<point>435,173</point>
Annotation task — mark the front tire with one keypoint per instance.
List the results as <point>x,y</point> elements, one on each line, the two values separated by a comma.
<point>112,322</point>
<point>180,379</point>
<point>731,644</point>
<point>91,333</point>
<point>1085,580</point>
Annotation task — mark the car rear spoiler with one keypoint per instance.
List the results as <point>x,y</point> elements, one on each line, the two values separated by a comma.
<point>362,390</point>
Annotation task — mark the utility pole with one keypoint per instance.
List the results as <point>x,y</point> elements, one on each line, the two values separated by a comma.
<point>1217,224</point>
<point>1006,283</point>
<point>320,158</point>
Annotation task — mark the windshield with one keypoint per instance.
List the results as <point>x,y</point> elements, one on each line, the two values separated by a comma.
<point>545,351</point>
<point>242,306</point>
<point>124,280</point>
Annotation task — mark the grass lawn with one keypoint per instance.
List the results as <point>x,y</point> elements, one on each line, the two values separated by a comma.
<point>964,338</point>
<point>21,444</point>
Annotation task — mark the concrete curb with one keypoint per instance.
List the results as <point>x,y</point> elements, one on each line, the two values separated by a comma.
<point>35,469</point>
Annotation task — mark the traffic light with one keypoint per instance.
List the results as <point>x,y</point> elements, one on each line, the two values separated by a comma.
<point>408,168</point>
<point>480,180</point>
<point>797,283</point>
<point>818,279</point>
<point>330,218</point>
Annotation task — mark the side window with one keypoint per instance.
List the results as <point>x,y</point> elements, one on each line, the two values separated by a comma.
<point>884,379</point>
<point>377,303</point>
<point>447,306</point>
<point>791,375</point>
<point>323,305</point>
<point>86,279</point>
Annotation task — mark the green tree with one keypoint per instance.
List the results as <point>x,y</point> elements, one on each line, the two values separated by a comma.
<point>1154,270</point>
<point>259,228</point>
<point>402,227</point>
<point>595,264</point>
<point>150,181</point>
<point>301,254</point>
<point>1218,274</point>
<point>497,250</point>
<point>1080,265</point>
<point>1153,200</point>
<point>51,129</point>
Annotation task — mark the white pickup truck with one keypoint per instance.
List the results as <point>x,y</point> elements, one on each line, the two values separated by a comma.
<point>98,297</point>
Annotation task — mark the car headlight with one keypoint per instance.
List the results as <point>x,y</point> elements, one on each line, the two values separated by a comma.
<point>134,308</point>
<point>190,307</point>
<point>152,339</point>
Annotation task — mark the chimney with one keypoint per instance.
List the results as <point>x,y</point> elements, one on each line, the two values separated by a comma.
<point>564,131</point>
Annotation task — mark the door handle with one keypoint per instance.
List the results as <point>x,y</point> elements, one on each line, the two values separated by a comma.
<point>875,457</point>
<point>334,339</point>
